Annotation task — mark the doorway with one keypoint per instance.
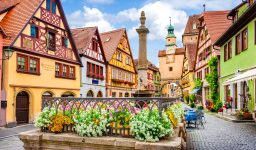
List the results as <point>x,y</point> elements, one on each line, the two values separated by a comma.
<point>22,108</point>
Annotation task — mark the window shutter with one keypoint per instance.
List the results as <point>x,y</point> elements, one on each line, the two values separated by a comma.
<point>33,30</point>
<point>54,7</point>
<point>66,42</point>
<point>48,5</point>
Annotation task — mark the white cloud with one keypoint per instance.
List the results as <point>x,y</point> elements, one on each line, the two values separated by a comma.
<point>89,17</point>
<point>100,1</point>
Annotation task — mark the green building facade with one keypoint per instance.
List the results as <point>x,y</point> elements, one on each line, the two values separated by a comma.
<point>238,58</point>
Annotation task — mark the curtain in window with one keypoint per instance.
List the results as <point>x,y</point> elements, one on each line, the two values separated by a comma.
<point>54,7</point>
<point>33,30</point>
<point>48,5</point>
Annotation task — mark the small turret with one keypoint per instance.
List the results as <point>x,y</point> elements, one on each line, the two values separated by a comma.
<point>171,30</point>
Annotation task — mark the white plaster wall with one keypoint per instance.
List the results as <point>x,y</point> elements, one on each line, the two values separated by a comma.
<point>87,82</point>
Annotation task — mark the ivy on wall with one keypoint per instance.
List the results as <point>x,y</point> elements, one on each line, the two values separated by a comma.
<point>198,83</point>
<point>212,79</point>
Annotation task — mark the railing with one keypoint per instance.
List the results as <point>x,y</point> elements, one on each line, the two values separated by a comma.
<point>134,105</point>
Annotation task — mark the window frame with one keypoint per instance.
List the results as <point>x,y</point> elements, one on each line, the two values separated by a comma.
<point>243,39</point>
<point>238,51</point>
<point>27,59</point>
<point>48,40</point>
<point>61,68</point>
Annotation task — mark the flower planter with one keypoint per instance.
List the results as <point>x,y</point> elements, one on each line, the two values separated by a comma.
<point>247,116</point>
<point>116,130</point>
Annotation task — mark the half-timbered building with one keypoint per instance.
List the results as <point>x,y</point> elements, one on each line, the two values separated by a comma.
<point>212,24</point>
<point>121,74</point>
<point>44,63</point>
<point>93,73</point>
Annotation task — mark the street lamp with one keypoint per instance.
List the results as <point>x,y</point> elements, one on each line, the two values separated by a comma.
<point>8,53</point>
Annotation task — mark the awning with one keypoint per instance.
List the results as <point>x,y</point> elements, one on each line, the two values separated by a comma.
<point>195,91</point>
<point>247,75</point>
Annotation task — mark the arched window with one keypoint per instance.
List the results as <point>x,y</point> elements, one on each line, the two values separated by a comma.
<point>67,94</point>
<point>47,94</point>
<point>89,94</point>
<point>99,94</point>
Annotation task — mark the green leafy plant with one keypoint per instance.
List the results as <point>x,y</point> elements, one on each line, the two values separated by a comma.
<point>91,123</point>
<point>200,108</point>
<point>212,79</point>
<point>43,120</point>
<point>186,98</point>
<point>198,83</point>
<point>149,126</point>
<point>218,106</point>
<point>121,118</point>
<point>192,98</point>
<point>192,105</point>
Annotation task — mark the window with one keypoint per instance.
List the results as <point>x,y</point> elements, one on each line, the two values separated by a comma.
<point>113,94</point>
<point>95,71</point>
<point>238,44</point>
<point>51,41</point>
<point>194,26</point>
<point>72,72</point>
<point>27,64</point>
<point>34,31</point>
<point>225,52</point>
<point>244,39</point>
<point>119,56</point>
<point>255,32</point>
<point>229,49</point>
<point>170,68</point>
<point>128,60</point>
<point>206,71</point>
<point>64,41</point>
<point>64,71</point>
<point>33,65</point>
<point>120,94</point>
<point>51,6</point>
<point>57,69</point>
<point>199,75</point>
<point>94,45</point>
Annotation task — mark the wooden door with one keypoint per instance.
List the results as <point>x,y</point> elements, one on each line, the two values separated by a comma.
<point>235,94</point>
<point>22,108</point>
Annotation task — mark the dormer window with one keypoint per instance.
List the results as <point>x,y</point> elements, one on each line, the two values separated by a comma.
<point>64,41</point>
<point>34,31</point>
<point>51,6</point>
<point>119,56</point>
<point>194,26</point>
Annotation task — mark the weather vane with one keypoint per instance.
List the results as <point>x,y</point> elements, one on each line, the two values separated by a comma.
<point>170,20</point>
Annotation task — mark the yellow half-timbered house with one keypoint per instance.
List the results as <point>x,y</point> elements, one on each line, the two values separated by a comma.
<point>44,62</point>
<point>121,74</point>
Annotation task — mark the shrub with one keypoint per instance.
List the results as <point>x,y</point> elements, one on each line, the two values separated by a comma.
<point>217,106</point>
<point>192,98</point>
<point>193,105</point>
<point>200,107</point>
<point>91,123</point>
<point>149,126</point>
<point>58,121</point>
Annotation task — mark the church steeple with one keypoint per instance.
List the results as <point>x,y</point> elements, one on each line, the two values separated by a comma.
<point>170,30</point>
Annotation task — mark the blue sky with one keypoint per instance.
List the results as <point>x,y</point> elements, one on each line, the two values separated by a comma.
<point>114,14</point>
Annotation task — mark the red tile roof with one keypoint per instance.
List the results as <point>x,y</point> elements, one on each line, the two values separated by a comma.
<point>83,37</point>
<point>110,41</point>
<point>189,27</point>
<point>7,5</point>
<point>16,18</point>
<point>150,65</point>
<point>216,23</point>
<point>191,55</point>
<point>178,51</point>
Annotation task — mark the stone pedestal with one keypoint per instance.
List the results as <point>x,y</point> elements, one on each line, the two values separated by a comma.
<point>36,140</point>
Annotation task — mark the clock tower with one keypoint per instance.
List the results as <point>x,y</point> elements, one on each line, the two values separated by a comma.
<point>170,40</point>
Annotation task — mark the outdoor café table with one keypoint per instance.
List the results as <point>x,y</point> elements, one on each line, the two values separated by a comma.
<point>190,116</point>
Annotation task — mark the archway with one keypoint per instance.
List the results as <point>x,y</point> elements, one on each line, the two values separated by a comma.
<point>174,86</point>
<point>67,94</point>
<point>47,94</point>
<point>22,107</point>
<point>99,94</point>
<point>90,93</point>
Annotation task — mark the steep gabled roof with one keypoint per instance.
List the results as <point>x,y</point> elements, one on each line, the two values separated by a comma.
<point>19,16</point>
<point>216,23</point>
<point>191,55</point>
<point>7,5</point>
<point>178,51</point>
<point>110,41</point>
<point>189,27</point>
<point>150,65</point>
<point>83,37</point>
<point>242,21</point>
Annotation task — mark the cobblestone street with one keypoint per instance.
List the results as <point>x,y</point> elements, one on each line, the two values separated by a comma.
<point>222,135</point>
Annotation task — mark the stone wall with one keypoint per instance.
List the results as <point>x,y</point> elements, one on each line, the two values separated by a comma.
<point>36,140</point>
